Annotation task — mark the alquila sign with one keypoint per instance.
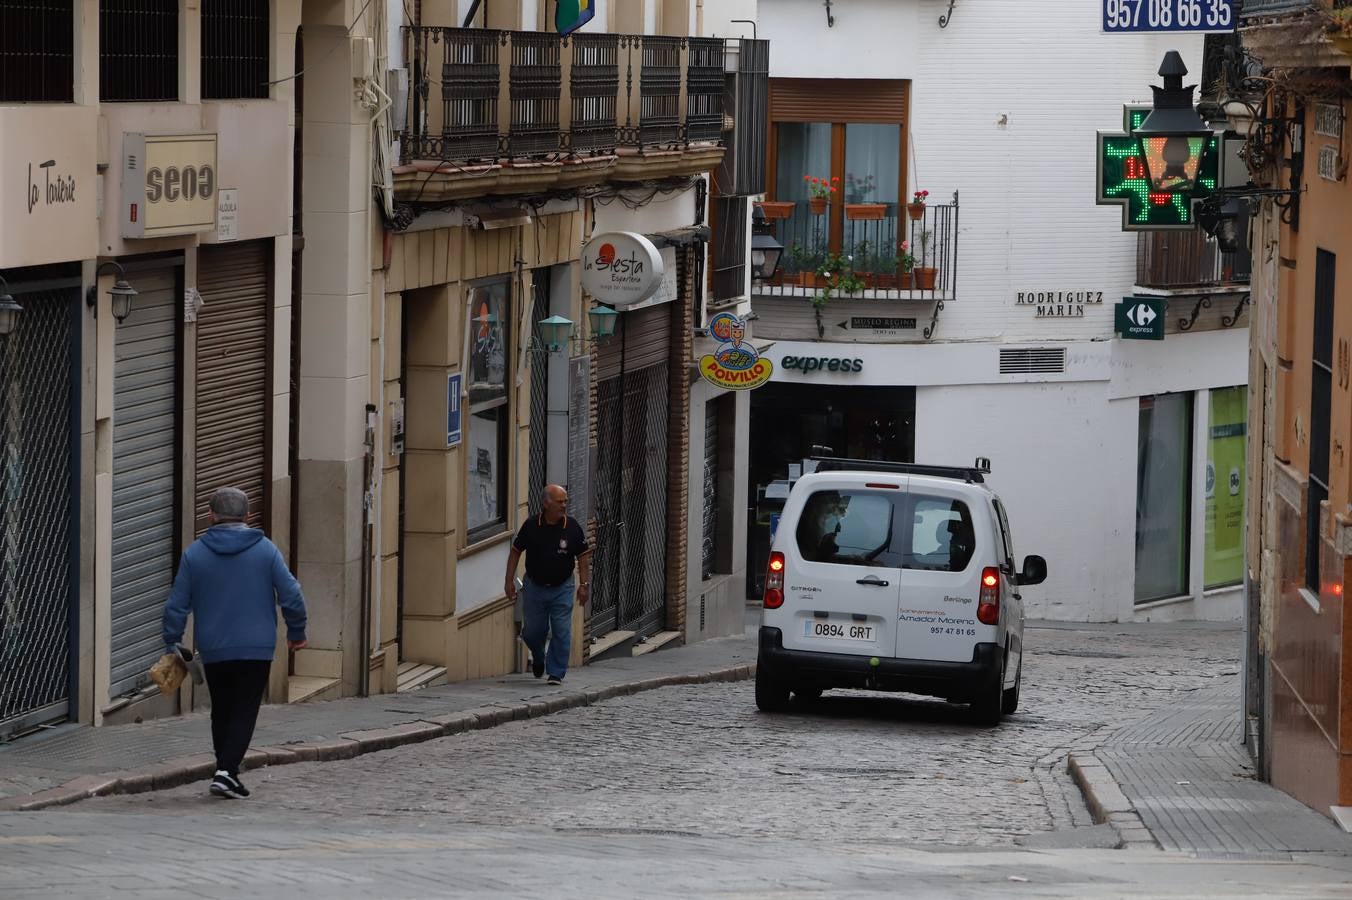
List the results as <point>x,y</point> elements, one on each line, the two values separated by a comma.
<point>1059,304</point>
<point>169,184</point>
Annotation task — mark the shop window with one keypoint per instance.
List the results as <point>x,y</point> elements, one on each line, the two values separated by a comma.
<point>487,450</point>
<point>1223,560</point>
<point>138,50</point>
<point>942,538</point>
<point>720,460</point>
<point>236,35</point>
<point>1163,481</point>
<point>37,51</point>
<point>852,528</point>
<point>1321,394</point>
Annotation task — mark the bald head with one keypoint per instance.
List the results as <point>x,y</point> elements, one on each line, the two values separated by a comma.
<point>555,503</point>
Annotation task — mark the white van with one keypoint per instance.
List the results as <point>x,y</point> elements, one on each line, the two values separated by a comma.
<point>894,577</point>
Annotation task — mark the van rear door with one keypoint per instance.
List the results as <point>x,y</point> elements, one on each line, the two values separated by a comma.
<point>944,542</point>
<point>842,566</point>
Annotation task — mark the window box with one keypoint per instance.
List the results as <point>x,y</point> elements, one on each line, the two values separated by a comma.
<point>776,209</point>
<point>866,212</point>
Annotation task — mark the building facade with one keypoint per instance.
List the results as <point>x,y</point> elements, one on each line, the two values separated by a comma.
<point>1299,671</point>
<point>975,315</point>
<point>152,146</point>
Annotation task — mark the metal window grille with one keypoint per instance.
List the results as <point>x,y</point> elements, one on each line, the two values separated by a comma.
<point>704,90</point>
<point>236,35</point>
<point>730,250</point>
<point>539,396</point>
<point>1328,120</point>
<point>138,50</point>
<point>746,98</point>
<point>36,537</point>
<point>709,551</point>
<point>1032,360</point>
<point>535,88</point>
<point>37,51</point>
<point>594,84</point>
<point>1328,163</point>
<point>660,91</point>
<point>469,92</point>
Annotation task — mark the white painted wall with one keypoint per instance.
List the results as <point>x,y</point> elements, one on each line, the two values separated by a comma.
<point>718,16</point>
<point>1028,220</point>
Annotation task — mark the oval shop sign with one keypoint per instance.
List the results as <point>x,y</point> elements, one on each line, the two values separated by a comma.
<point>621,268</point>
<point>735,365</point>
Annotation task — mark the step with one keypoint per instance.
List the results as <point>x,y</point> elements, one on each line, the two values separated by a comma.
<point>308,688</point>
<point>612,645</point>
<point>659,641</point>
<point>415,676</point>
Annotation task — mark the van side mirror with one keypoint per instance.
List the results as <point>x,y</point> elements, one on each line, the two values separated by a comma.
<point>1034,570</point>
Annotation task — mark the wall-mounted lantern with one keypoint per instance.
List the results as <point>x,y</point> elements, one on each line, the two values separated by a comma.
<point>121,293</point>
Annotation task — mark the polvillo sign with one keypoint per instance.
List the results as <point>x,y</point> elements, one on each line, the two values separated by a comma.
<point>621,268</point>
<point>735,365</point>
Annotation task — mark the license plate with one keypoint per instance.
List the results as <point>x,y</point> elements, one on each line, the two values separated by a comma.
<point>838,631</point>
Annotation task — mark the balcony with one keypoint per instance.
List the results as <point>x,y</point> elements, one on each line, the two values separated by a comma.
<point>1297,34</point>
<point>1189,262</point>
<point>505,112</point>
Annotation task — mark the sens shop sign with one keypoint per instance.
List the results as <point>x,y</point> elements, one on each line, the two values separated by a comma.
<point>169,184</point>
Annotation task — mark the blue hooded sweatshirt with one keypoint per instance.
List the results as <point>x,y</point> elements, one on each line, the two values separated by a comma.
<point>232,579</point>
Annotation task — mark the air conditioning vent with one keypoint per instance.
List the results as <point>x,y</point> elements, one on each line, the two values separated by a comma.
<point>1032,360</point>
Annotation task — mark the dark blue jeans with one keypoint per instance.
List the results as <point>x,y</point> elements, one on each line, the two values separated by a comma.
<point>548,612</point>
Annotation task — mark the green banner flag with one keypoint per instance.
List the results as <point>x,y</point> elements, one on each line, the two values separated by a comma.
<point>570,15</point>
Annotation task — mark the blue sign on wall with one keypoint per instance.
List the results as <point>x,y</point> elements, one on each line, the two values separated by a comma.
<point>453,409</point>
<point>1169,15</point>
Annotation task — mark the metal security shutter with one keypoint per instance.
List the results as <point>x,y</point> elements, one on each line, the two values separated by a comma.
<point>709,546</point>
<point>647,337</point>
<point>145,466</point>
<point>232,377</point>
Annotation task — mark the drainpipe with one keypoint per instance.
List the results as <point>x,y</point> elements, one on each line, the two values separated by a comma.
<point>367,542</point>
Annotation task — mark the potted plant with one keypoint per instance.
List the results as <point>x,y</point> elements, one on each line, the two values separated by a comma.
<point>905,263</point>
<point>805,264</point>
<point>1339,28</point>
<point>836,276</point>
<point>819,191</point>
<point>925,276</point>
<point>776,209</point>
<point>917,205</point>
<point>866,212</point>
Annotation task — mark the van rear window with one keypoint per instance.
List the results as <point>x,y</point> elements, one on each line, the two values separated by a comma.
<point>853,528</point>
<point>941,535</point>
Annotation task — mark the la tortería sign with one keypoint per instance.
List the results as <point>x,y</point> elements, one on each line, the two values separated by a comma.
<point>169,184</point>
<point>621,268</point>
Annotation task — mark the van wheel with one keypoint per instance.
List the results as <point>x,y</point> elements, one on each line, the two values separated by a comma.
<point>772,695</point>
<point>987,708</point>
<point>1010,702</point>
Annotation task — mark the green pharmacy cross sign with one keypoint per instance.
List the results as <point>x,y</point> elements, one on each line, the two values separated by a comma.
<point>1122,180</point>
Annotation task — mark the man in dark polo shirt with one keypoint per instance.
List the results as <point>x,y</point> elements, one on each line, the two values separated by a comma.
<point>551,542</point>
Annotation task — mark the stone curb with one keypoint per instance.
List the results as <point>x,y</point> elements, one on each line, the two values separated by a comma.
<point>182,770</point>
<point>1107,804</point>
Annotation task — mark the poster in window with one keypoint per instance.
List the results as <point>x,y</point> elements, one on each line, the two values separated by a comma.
<point>1224,549</point>
<point>484,470</point>
<point>487,342</point>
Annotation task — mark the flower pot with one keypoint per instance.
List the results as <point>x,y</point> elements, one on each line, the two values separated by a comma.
<point>904,281</point>
<point>776,209</point>
<point>817,205</point>
<point>925,277</point>
<point>916,210</point>
<point>885,281</point>
<point>807,279</point>
<point>865,212</point>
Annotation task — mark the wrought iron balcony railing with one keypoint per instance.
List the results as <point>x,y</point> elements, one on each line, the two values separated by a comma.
<point>1258,9</point>
<point>870,247</point>
<point>480,94</point>
<point>1189,262</point>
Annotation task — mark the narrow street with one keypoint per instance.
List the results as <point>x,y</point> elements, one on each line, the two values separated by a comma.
<point>689,790</point>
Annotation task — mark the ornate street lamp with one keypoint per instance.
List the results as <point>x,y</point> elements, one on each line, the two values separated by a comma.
<point>1173,137</point>
<point>765,250</point>
<point>9,310</point>
<point>602,320</point>
<point>121,293</point>
<point>556,332</point>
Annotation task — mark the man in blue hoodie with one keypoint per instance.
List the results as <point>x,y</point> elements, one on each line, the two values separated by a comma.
<point>232,579</point>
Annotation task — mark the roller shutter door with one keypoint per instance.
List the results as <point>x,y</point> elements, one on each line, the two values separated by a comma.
<point>145,463</point>
<point>232,376</point>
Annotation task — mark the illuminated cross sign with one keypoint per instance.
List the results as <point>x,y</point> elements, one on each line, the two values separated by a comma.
<point>1122,180</point>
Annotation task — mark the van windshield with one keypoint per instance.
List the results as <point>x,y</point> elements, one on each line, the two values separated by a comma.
<point>853,528</point>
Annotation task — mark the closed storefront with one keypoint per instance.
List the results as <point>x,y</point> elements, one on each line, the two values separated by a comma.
<point>233,350</point>
<point>39,570</point>
<point>629,592</point>
<point>145,474</point>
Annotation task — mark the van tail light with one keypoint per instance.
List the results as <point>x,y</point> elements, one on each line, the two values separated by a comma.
<point>988,605</point>
<point>774,581</point>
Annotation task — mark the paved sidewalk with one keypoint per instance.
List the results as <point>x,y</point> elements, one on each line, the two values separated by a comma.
<point>73,762</point>
<point>1181,779</point>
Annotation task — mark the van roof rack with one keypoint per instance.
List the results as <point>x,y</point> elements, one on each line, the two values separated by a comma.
<point>973,474</point>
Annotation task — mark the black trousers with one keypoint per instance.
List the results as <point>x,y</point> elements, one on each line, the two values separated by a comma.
<point>236,688</point>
